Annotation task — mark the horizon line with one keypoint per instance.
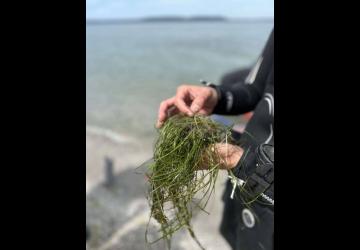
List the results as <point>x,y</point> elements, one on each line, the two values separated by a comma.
<point>177,18</point>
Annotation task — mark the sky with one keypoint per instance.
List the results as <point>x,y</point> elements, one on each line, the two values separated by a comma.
<point>103,9</point>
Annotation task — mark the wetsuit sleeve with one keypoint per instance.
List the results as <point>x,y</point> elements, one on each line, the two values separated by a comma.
<point>243,97</point>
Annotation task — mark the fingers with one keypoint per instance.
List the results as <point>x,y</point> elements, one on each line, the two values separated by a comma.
<point>181,94</point>
<point>172,111</point>
<point>203,112</point>
<point>229,154</point>
<point>198,103</point>
<point>163,110</point>
<point>185,94</point>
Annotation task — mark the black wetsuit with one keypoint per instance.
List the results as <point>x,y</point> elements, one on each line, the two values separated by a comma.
<point>255,93</point>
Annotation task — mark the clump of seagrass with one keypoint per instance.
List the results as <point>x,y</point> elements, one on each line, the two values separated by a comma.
<point>184,164</point>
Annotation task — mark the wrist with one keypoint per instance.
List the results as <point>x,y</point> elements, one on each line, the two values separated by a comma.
<point>216,93</point>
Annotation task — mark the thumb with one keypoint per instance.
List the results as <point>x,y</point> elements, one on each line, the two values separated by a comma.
<point>198,104</point>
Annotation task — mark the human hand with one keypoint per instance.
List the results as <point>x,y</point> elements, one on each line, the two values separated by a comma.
<point>229,155</point>
<point>189,100</point>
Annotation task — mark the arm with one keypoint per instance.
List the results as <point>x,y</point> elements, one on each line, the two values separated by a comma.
<point>243,97</point>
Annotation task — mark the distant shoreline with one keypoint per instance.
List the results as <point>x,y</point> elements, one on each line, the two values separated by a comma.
<point>174,20</point>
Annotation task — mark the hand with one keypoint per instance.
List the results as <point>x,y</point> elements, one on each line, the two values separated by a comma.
<point>188,100</point>
<point>229,154</point>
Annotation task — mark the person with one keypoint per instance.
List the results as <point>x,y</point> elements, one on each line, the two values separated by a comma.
<point>248,218</point>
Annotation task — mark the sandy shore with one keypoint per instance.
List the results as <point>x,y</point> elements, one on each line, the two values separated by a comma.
<point>117,212</point>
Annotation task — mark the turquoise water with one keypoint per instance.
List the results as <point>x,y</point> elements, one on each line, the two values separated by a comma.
<point>131,68</point>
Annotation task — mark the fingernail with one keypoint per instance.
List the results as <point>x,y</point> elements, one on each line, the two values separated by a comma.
<point>190,113</point>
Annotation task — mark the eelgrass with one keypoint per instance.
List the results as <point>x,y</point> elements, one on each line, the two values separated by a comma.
<point>184,164</point>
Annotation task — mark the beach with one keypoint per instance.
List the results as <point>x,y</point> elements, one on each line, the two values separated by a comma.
<point>130,69</point>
